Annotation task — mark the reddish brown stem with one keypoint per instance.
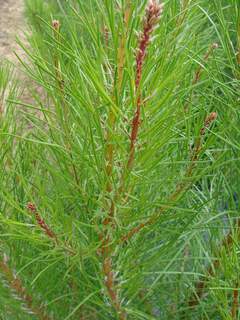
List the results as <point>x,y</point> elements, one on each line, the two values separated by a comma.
<point>110,281</point>
<point>153,13</point>
<point>152,16</point>
<point>111,287</point>
<point>32,208</point>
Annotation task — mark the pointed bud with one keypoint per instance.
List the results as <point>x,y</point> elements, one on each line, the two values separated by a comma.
<point>56,25</point>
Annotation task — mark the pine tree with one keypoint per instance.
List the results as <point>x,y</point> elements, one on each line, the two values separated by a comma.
<point>119,189</point>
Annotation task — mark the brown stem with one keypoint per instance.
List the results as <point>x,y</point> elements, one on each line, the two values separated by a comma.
<point>106,250</point>
<point>111,287</point>
<point>109,277</point>
<point>152,16</point>
<point>235,305</point>
<point>182,186</point>
<point>16,285</point>
<point>106,35</point>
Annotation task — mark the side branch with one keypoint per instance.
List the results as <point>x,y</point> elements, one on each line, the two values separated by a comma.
<point>181,186</point>
<point>40,221</point>
<point>15,284</point>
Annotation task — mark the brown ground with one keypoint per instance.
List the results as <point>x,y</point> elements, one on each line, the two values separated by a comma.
<point>11,25</point>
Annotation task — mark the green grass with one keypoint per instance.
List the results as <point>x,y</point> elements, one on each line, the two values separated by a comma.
<point>94,223</point>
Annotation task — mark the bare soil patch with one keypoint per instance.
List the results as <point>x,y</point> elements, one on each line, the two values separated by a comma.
<point>11,26</point>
